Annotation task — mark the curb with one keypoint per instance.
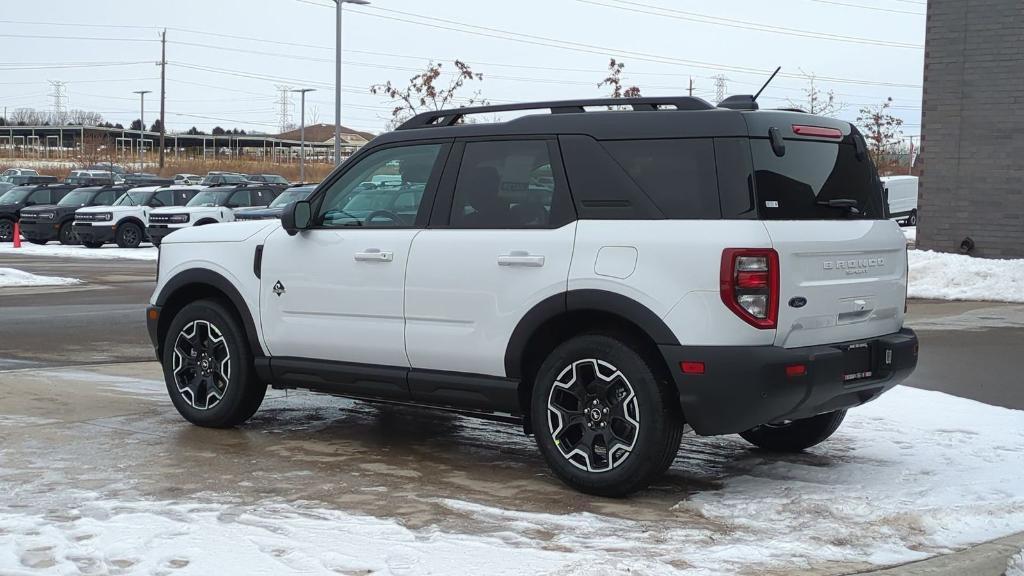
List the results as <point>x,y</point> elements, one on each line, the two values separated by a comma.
<point>988,559</point>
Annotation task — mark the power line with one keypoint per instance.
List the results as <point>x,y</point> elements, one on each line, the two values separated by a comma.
<point>863,7</point>
<point>641,8</point>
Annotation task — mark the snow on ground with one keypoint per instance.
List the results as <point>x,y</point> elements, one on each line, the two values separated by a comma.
<point>1015,565</point>
<point>144,252</point>
<point>14,277</point>
<point>911,233</point>
<point>911,475</point>
<point>942,276</point>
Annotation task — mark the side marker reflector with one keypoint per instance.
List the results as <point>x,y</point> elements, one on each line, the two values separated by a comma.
<point>692,367</point>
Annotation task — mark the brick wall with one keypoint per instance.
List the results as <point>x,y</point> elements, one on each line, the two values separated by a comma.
<point>973,128</point>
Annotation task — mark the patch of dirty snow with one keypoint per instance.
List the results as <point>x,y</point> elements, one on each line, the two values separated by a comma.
<point>109,252</point>
<point>941,276</point>
<point>10,277</point>
<point>1015,565</point>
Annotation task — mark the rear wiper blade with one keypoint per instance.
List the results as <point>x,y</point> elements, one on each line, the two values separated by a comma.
<point>849,204</point>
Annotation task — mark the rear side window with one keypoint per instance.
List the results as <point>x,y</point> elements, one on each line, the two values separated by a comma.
<point>105,198</point>
<point>799,184</point>
<point>678,175</point>
<point>509,184</point>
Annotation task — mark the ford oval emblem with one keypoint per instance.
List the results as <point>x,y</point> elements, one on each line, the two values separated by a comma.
<point>797,302</point>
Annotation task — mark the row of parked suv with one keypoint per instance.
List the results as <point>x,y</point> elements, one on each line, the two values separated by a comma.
<point>128,215</point>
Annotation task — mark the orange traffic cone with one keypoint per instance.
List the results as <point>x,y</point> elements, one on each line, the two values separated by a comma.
<point>17,236</point>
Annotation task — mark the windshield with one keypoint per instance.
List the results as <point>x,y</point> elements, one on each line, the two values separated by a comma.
<point>289,196</point>
<point>76,198</point>
<point>210,198</point>
<point>800,184</point>
<point>133,198</point>
<point>16,195</point>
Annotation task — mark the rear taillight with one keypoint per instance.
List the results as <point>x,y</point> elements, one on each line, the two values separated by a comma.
<point>750,285</point>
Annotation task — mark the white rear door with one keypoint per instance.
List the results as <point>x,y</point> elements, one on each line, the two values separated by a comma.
<point>504,243</point>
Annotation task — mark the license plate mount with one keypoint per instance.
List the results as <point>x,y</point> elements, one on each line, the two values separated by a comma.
<point>857,362</point>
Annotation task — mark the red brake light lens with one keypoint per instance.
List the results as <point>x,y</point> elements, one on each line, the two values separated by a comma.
<point>819,131</point>
<point>691,367</point>
<point>749,285</point>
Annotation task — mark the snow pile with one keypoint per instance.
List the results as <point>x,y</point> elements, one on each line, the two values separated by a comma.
<point>1015,565</point>
<point>13,277</point>
<point>911,233</point>
<point>110,252</point>
<point>911,475</point>
<point>941,276</point>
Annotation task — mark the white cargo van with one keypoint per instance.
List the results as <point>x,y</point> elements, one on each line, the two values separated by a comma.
<point>902,194</point>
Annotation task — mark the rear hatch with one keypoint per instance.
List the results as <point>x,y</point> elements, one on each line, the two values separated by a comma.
<point>842,263</point>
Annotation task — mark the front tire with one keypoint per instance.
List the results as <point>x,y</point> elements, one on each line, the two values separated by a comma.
<point>6,230</point>
<point>602,418</point>
<point>67,235</point>
<point>129,235</point>
<point>208,367</point>
<point>795,435</point>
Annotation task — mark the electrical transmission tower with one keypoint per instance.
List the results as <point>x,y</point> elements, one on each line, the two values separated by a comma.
<point>59,95</point>
<point>284,103</point>
<point>721,88</point>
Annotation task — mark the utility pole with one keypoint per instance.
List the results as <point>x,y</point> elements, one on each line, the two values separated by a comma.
<point>302,132</point>
<point>142,124</point>
<point>337,78</point>
<point>691,86</point>
<point>163,91</point>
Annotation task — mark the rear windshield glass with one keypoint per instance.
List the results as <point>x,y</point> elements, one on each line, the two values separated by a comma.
<point>800,184</point>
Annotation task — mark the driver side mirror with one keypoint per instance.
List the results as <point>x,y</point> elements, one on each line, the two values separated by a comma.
<point>296,216</point>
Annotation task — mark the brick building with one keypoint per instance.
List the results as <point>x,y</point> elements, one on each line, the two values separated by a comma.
<point>973,128</point>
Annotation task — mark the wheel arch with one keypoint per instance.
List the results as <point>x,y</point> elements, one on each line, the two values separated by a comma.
<point>132,220</point>
<point>205,221</point>
<point>196,284</point>
<point>562,316</point>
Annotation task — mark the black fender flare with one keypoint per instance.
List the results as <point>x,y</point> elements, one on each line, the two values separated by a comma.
<point>582,301</point>
<point>134,220</point>
<point>205,277</point>
<point>205,221</point>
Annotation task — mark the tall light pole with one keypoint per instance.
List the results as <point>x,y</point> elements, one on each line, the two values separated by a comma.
<point>337,80</point>
<point>142,123</point>
<point>302,133</point>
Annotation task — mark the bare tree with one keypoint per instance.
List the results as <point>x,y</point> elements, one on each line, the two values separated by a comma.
<point>426,91</point>
<point>313,113</point>
<point>883,132</point>
<point>29,117</point>
<point>84,118</point>
<point>614,80</point>
<point>816,101</point>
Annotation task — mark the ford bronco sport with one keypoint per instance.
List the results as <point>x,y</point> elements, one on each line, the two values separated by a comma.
<point>602,277</point>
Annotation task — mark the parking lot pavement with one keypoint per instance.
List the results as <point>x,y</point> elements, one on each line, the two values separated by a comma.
<point>97,471</point>
<point>102,319</point>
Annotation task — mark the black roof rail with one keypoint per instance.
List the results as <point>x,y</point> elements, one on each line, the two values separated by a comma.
<point>453,115</point>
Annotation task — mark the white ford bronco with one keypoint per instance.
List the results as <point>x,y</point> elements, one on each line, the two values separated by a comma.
<point>210,206</point>
<point>601,277</point>
<point>124,223</point>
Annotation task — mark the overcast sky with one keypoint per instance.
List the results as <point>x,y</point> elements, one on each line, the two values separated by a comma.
<point>226,57</point>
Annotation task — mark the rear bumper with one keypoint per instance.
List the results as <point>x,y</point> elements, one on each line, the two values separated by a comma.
<point>89,233</point>
<point>40,230</point>
<point>746,386</point>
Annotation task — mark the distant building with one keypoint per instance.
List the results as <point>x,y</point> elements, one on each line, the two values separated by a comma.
<point>351,140</point>
<point>973,128</point>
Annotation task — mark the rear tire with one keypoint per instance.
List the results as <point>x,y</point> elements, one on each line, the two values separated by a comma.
<point>208,366</point>
<point>67,235</point>
<point>129,235</point>
<point>602,418</point>
<point>796,435</point>
<point>912,219</point>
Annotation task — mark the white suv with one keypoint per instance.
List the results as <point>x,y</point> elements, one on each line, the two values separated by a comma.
<point>125,222</point>
<point>212,205</point>
<point>602,277</point>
